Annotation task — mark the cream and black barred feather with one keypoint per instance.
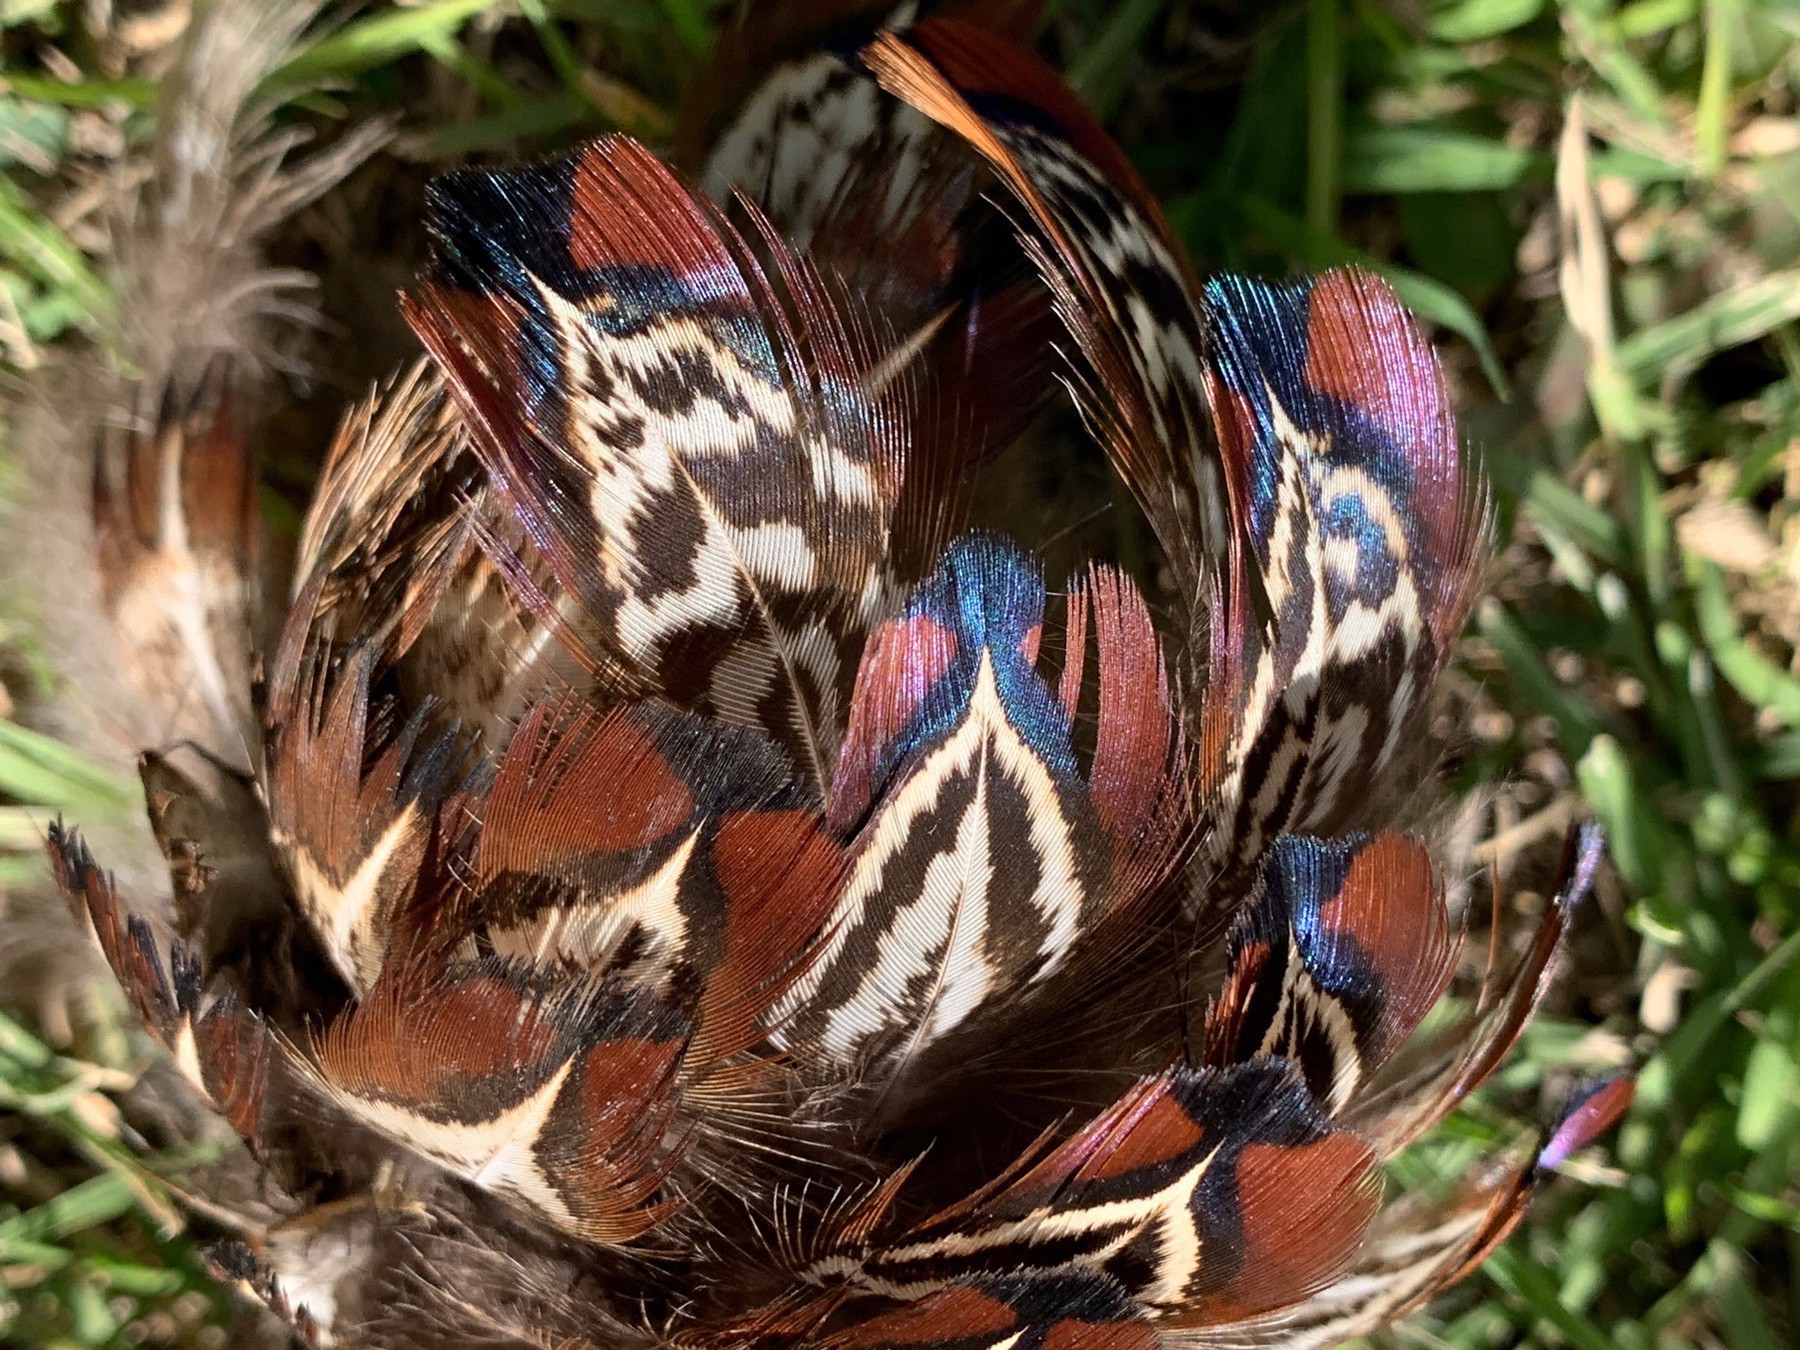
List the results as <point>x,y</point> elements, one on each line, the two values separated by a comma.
<point>1291,445</point>
<point>720,894</point>
<point>684,427</point>
<point>889,207</point>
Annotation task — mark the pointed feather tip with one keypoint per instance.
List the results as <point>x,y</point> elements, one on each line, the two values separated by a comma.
<point>1595,1109</point>
<point>353,804</point>
<point>1002,85</point>
<point>225,1052</point>
<point>1583,851</point>
<point>981,607</point>
<point>558,1095</point>
<point>902,661</point>
<point>987,596</point>
<point>1583,854</point>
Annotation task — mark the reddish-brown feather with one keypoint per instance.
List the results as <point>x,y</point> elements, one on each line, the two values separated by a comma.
<point>903,659</point>
<point>232,1048</point>
<point>1147,1129</point>
<point>216,486</point>
<point>556,799</point>
<point>967,1317</point>
<point>1135,784</point>
<point>1392,906</point>
<point>953,1315</point>
<point>1160,447</point>
<point>1472,1049</point>
<point>982,65</point>
<point>1303,1212</point>
<point>779,872</point>
<point>1364,348</point>
<point>440,1059</point>
<point>410,1035</point>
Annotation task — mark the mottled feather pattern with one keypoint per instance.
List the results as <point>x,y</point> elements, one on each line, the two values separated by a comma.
<point>1366,531</point>
<point>715,893</point>
<point>809,132</point>
<point>1100,243</point>
<point>1311,502</point>
<point>816,148</point>
<point>983,858</point>
<point>683,431</point>
<point>1335,962</point>
<point>391,560</point>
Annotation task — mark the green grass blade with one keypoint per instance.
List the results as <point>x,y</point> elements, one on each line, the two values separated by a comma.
<point>376,40</point>
<point>1730,319</point>
<point>1534,1288</point>
<point>1381,159</point>
<point>1324,113</point>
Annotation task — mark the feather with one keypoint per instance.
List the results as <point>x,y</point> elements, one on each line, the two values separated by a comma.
<point>1595,1109</point>
<point>373,1271</point>
<point>1368,535</point>
<point>310,1307</point>
<point>177,543</point>
<point>661,856</point>
<point>1118,283</point>
<point>1031,1312</point>
<point>682,431</point>
<point>556,1095</point>
<point>352,811</point>
<point>1341,956</point>
<point>1208,1195</point>
<point>1423,1244</point>
<point>983,859</point>
<point>1352,536</point>
<point>888,208</point>
<point>1422,1090</point>
<point>708,883</point>
<point>232,905</point>
<point>784,114</point>
<point>222,1049</point>
<point>390,559</point>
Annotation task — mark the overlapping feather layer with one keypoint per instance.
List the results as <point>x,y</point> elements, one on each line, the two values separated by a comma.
<point>722,899</point>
